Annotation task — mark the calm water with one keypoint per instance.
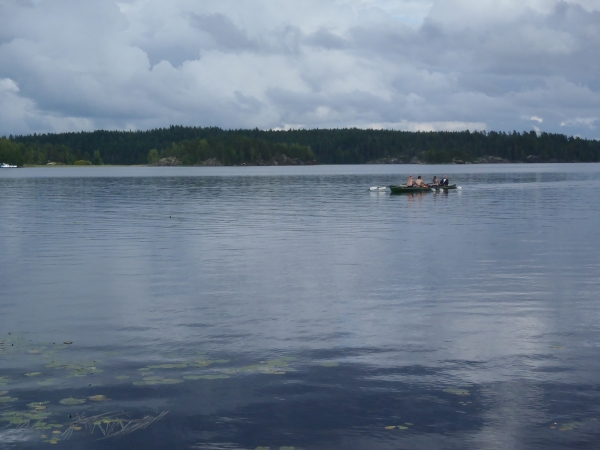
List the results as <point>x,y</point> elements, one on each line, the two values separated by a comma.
<point>292,308</point>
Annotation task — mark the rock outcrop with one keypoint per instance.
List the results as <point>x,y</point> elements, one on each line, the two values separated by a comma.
<point>491,160</point>
<point>387,160</point>
<point>211,162</point>
<point>171,161</point>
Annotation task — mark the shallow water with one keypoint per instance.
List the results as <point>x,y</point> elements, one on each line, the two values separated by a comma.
<point>291,307</point>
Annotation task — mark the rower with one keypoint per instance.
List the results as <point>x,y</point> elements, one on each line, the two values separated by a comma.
<point>444,181</point>
<point>420,182</point>
<point>435,181</point>
<point>410,182</point>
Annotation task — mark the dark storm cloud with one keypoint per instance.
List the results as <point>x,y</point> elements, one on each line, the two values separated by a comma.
<point>407,64</point>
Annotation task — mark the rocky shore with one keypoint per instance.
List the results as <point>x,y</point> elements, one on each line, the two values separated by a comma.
<point>280,160</point>
<point>532,159</point>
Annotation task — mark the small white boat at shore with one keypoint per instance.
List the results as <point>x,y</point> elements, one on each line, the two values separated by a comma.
<point>7,166</point>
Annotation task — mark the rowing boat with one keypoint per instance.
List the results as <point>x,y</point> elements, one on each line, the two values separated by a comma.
<point>402,189</point>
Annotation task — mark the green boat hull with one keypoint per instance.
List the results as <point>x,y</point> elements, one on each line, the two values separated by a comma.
<point>411,190</point>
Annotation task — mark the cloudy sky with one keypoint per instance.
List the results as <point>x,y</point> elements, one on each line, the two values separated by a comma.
<point>68,65</point>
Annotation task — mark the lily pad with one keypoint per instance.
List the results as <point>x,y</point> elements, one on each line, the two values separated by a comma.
<point>99,398</point>
<point>48,382</point>
<point>122,377</point>
<point>169,366</point>
<point>214,377</point>
<point>569,426</point>
<point>400,427</point>
<point>287,448</point>
<point>33,374</point>
<point>390,427</point>
<point>72,401</point>
<point>263,448</point>
<point>38,405</point>
<point>330,364</point>
<point>460,392</point>
<point>192,377</point>
<point>8,399</point>
<point>201,363</point>
<point>170,381</point>
<point>3,393</point>
<point>145,383</point>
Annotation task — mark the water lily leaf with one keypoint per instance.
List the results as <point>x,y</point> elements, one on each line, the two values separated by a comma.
<point>201,363</point>
<point>214,377</point>
<point>99,398</point>
<point>330,364</point>
<point>145,383</point>
<point>170,381</point>
<point>8,399</point>
<point>192,377</point>
<point>33,374</point>
<point>37,415</point>
<point>281,362</point>
<point>220,361</point>
<point>390,427</point>
<point>400,427</point>
<point>38,405</point>
<point>122,377</point>
<point>153,378</point>
<point>287,448</point>
<point>263,448</point>
<point>3,393</point>
<point>48,382</point>
<point>169,366</point>
<point>408,424</point>
<point>569,426</point>
<point>461,392</point>
<point>72,401</point>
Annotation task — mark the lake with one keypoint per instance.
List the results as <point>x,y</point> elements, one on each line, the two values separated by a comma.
<point>292,308</point>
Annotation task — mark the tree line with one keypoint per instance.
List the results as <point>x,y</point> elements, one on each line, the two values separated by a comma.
<point>193,145</point>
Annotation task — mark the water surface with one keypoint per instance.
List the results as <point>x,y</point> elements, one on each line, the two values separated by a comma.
<point>291,307</point>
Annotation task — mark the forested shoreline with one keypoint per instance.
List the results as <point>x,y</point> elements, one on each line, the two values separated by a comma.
<point>215,146</point>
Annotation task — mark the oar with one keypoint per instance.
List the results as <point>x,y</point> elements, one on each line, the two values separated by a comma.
<point>375,188</point>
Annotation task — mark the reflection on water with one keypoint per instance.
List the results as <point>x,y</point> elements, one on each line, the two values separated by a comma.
<point>292,308</point>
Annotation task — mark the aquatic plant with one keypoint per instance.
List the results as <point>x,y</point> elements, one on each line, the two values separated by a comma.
<point>460,392</point>
<point>330,364</point>
<point>112,424</point>
<point>72,401</point>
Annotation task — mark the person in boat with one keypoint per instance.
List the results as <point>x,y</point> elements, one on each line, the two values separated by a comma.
<point>410,182</point>
<point>444,181</point>
<point>420,182</point>
<point>435,181</point>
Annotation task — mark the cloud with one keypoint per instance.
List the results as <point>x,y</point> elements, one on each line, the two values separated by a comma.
<point>589,122</point>
<point>406,64</point>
